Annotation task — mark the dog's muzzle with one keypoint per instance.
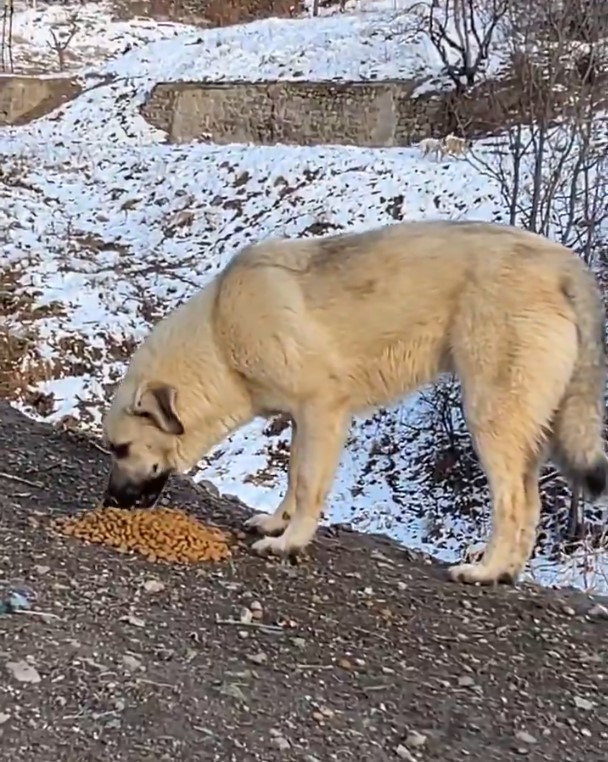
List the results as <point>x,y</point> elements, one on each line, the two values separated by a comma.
<point>126,494</point>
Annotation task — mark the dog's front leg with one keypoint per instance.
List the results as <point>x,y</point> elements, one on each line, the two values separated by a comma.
<point>274,523</point>
<point>320,435</point>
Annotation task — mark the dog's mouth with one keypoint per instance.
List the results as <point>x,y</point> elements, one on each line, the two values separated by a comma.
<point>128,494</point>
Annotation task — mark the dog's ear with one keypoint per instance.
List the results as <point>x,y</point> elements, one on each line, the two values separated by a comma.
<point>158,403</point>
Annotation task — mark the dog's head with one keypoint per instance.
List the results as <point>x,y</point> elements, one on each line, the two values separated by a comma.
<point>142,431</point>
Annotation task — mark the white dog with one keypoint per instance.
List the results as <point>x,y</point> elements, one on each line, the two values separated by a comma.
<point>451,144</point>
<point>454,145</point>
<point>431,146</point>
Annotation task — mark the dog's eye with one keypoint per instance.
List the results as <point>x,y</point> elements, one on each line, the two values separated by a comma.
<point>155,468</point>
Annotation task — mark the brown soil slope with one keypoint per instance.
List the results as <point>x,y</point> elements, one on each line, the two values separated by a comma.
<point>362,650</point>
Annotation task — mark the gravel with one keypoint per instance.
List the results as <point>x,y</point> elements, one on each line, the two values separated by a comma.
<point>361,650</point>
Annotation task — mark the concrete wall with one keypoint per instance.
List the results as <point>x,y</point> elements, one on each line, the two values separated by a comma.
<point>304,113</point>
<point>25,98</point>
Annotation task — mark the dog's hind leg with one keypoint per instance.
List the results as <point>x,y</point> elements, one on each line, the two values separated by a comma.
<point>274,523</point>
<point>515,514</point>
<point>320,433</point>
<point>512,385</point>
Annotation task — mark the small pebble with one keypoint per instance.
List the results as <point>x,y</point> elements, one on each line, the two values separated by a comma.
<point>525,737</point>
<point>23,672</point>
<point>415,740</point>
<point>281,743</point>
<point>209,487</point>
<point>466,681</point>
<point>404,753</point>
<point>133,620</point>
<point>598,612</point>
<point>246,616</point>
<point>582,703</point>
<point>259,658</point>
<point>131,663</point>
<point>257,612</point>
<point>153,586</point>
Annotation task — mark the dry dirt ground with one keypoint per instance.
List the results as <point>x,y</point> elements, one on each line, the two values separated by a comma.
<point>364,651</point>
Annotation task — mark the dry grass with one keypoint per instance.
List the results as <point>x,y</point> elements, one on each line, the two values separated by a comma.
<point>209,12</point>
<point>21,365</point>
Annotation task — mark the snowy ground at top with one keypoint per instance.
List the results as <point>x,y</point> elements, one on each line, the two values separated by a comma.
<point>106,227</point>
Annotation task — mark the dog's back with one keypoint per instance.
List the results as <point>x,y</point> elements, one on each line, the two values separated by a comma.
<point>405,277</point>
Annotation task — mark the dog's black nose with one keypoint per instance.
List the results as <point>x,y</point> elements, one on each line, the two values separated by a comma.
<point>132,495</point>
<point>124,495</point>
<point>121,499</point>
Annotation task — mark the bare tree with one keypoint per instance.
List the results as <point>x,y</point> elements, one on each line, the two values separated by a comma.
<point>462,32</point>
<point>552,166</point>
<point>62,39</point>
<point>6,46</point>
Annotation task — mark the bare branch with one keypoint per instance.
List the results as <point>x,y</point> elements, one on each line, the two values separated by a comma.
<point>6,46</point>
<point>474,26</point>
<point>61,42</point>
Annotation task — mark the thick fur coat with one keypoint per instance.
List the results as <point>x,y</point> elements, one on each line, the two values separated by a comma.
<point>324,328</point>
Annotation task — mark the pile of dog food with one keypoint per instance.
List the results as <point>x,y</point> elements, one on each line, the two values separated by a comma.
<point>159,534</point>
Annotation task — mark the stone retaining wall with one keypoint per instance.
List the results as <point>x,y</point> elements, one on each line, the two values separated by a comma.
<point>25,98</point>
<point>302,113</point>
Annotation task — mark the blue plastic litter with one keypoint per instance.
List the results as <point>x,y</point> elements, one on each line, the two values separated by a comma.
<point>14,602</point>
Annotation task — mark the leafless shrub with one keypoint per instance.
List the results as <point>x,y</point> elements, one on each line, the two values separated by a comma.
<point>552,167</point>
<point>62,36</point>
<point>462,32</point>
<point>227,12</point>
<point>316,4</point>
<point>445,419</point>
<point>6,43</point>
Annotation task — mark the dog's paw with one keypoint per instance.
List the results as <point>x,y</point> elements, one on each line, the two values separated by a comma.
<point>267,523</point>
<point>274,546</point>
<point>479,574</point>
<point>299,533</point>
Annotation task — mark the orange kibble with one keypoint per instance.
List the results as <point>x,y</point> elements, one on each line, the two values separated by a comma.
<point>159,534</point>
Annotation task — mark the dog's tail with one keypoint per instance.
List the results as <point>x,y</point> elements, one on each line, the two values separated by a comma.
<point>578,426</point>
